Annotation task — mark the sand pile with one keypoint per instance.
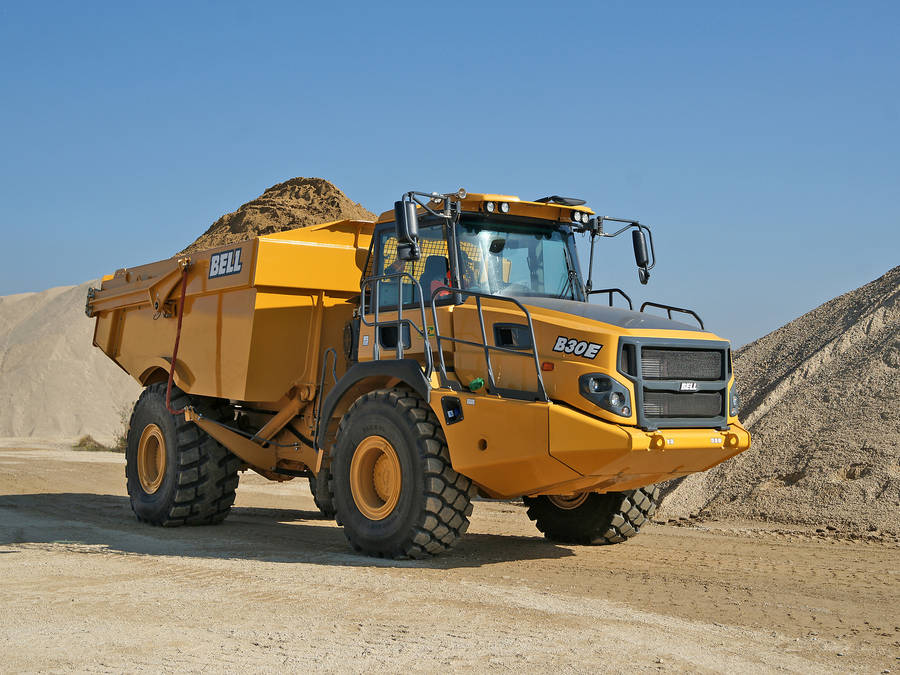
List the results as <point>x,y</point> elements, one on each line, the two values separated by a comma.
<point>821,397</point>
<point>298,202</point>
<point>53,384</point>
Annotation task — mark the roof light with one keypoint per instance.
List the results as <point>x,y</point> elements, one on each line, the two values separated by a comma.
<point>504,207</point>
<point>576,216</point>
<point>489,207</point>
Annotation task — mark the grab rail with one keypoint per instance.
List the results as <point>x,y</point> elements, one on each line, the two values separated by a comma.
<point>610,291</point>
<point>539,395</point>
<point>400,322</point>
<point>670,308</point>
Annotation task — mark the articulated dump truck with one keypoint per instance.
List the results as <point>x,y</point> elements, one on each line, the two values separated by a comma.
<point>407,366</point>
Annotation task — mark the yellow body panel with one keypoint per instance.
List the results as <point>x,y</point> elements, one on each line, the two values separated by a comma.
<point>502,444</point>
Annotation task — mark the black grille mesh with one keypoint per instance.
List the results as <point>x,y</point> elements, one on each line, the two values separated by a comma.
<point>670,404</point>
<point>681,364</point>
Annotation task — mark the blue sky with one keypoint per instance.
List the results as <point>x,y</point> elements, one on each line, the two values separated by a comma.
<point>760,140</point>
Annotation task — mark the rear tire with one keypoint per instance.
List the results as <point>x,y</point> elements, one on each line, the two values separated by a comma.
<point>395,491</point>
<point>176,473</point>
<point>320,487</point>
<point>593,518</point>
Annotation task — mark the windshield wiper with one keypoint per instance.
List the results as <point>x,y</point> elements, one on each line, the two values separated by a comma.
<point>571,277</point>
<point>569,286</point>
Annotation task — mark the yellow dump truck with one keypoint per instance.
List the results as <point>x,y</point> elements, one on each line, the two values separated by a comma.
<point>405,366</point>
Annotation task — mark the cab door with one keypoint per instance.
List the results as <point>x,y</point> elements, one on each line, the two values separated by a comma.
<point>412,292</point>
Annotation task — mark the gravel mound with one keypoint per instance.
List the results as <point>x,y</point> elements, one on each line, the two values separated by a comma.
<point>298,202</point>
<point>820,396</point>
<point>53,384</point>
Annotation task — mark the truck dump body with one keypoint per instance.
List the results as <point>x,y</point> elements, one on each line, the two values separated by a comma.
<point>255,314</point>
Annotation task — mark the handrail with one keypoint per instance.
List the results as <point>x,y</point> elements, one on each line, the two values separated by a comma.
<point>318,409</point>
<point>670,308</point>
<point>540,394</point>
<point>611,291</point>
<point>399,321</point>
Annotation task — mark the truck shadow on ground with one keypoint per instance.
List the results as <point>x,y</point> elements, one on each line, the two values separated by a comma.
<point>106,522</point>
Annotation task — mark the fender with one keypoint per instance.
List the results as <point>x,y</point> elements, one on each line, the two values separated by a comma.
<point>408,371</point>
<point>157,370</point>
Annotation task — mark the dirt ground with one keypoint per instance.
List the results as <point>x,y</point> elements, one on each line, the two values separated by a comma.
<point>83,586</point>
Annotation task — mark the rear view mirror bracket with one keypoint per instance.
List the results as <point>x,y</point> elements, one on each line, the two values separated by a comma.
<point>447,206</point>
<point>642,240</point>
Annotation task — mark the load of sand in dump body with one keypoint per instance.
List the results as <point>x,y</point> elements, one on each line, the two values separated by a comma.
<point>821,398</point>
<point>55,385</point>
<point>298,202</point>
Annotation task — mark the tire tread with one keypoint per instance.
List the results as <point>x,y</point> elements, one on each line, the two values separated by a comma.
<point>607,518</point>
<point>448,494</point>
<point>206,473</point>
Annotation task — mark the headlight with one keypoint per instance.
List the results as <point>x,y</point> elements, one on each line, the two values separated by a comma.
<point>599,383</point>
<point>734,402</point>
<point>607,393</point>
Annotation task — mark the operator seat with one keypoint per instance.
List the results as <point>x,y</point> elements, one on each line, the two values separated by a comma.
<point>434,275</point>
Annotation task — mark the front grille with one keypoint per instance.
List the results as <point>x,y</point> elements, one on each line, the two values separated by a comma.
<point>681,364</point>
<point>669,404</point>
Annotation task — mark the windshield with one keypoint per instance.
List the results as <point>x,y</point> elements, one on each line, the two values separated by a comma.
<point>517,259</point>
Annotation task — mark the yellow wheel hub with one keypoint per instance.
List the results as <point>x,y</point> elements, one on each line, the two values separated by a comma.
<point>568,502</point>
<point>151,458</point>
<point>375,478</point>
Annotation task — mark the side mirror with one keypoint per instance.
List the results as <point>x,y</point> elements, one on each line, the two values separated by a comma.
<point>641,256</point>
<point>407,230</point>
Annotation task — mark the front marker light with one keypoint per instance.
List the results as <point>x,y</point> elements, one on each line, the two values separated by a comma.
<point>734,402</point>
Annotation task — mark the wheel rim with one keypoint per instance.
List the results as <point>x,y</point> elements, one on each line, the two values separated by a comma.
<point>151,458</point>
<point>375,478</point>
<point>568,502</point>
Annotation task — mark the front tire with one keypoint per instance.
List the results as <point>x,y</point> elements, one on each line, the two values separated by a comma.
<point>176,473</point>
<point>395,491</point>
<point>592,518</point>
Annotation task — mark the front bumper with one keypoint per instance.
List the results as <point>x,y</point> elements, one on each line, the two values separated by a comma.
<point>610,457</point>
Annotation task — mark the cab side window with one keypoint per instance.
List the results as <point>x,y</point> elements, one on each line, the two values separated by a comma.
<point>431,270</point>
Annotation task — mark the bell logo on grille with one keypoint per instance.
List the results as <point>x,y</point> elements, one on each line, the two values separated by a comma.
<point>688,386</point>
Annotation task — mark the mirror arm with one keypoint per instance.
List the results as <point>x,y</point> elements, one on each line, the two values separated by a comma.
<point>652,252</point>
<point>588,287</point>
<point>451,202</point>
<point>631,224</point>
